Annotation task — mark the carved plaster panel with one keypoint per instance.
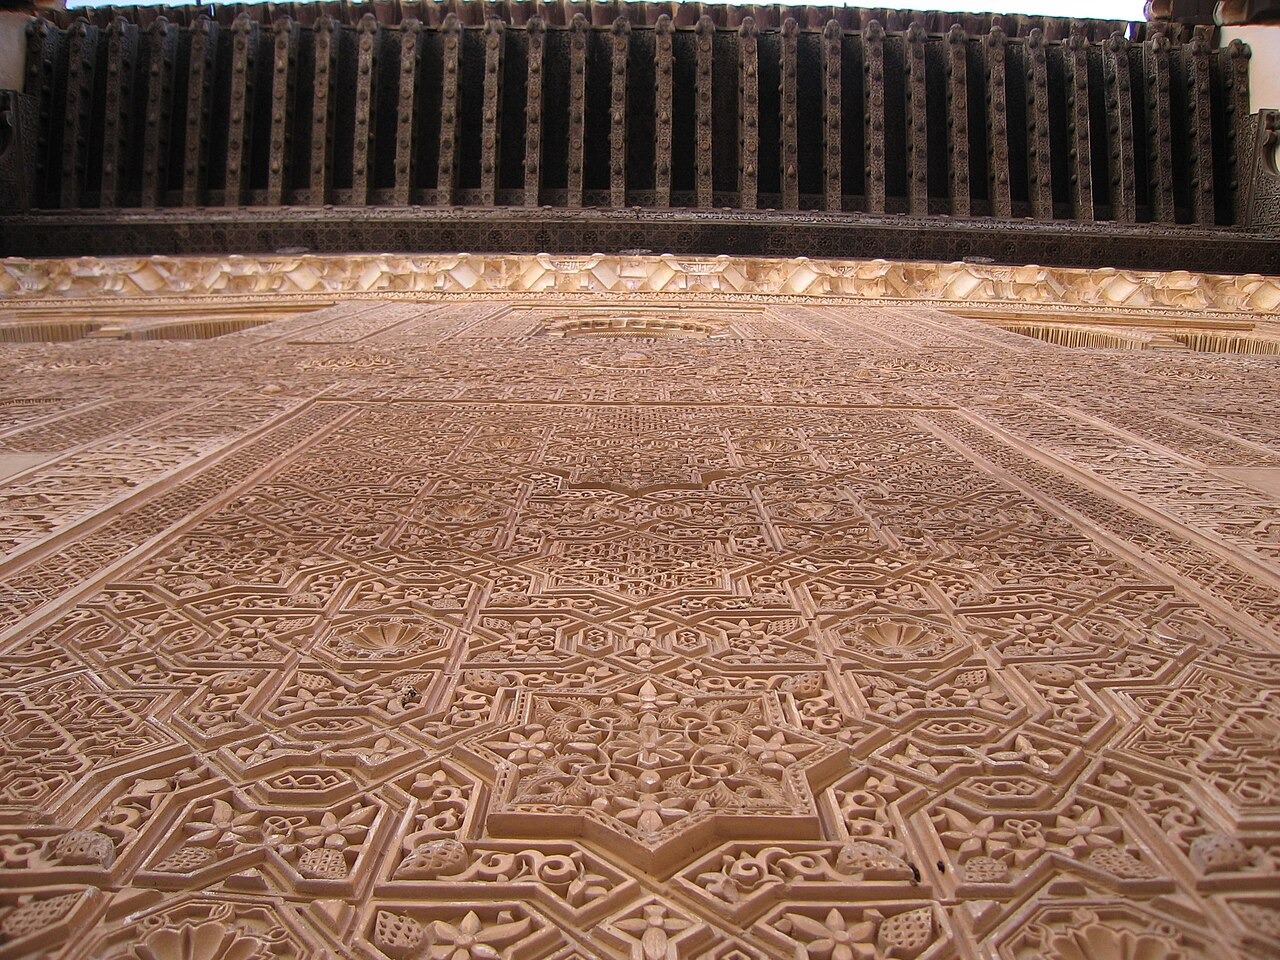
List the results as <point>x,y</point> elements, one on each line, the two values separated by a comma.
<point>843,627</point>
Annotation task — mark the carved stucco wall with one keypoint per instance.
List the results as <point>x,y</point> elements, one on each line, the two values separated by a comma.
<point>573,626</point>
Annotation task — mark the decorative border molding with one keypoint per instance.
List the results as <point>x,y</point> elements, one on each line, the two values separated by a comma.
<point>1124,295</point>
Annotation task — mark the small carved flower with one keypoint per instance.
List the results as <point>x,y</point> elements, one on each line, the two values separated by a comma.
<point>471,939</point>
<point>224,827</point>
<point>647,814</point>
<point>774,753</point>
<point>965,836</point>
<point>893,704</point>
<point>832,938</point>
<point>653,930</point>
<point>648,748</point>
<point>528,746</point>
<point>1082,832</point>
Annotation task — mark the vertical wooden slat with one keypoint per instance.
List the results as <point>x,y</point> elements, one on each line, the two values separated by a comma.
<point>832,174</point>
<point>1039,168</point>
<point>122,49</point>
<point>874,120</point>
<point>917,123</point>
<point>1199,97</point>
<point>362,159</point>
<point>1159,128</point>
<point>1121,164</point>
<point>244,42</point>
<point>788,107</point>
<point>998,174</point>
<point>748,114</point>
<point>663,93</point>
<point>162,45</point>
<point>1079,154</point>
<point>620,43</point>
<point>43,44</point>
<point>577,106</point>
<point>81,60</point>
<point>491,114</point>
<point>283,79</point>
<point>326,53</point>
<point>37,81</point>
<point>200,67</point>
<point>958,119</point>
<point>406,160</point>
<point>537,33</point>
<point>1238,124</point>
<point>447,170</point>
<point>706,32</point>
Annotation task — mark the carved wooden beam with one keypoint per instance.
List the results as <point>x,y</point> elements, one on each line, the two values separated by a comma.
<point>1080,155</point>
<point>958,118</point>
<point>81,58</point>
<point>406,160</point>
<point>998,173</point>
<point>706,33</point>
<point>663,94</point>
<point>1039,166</point>
<point>619,48</point>
<point>1196,63</point>
<point>162,46</point>
<point>1159,128</point>
<point>537,33</point>
<point>491,113</point>
<point>447,169</point>
<point>362,144</point>
<point>917,122</point>
<point>577,106</point>
<point>45,47</point>
<point>1239,125</point>
<point>748,114</point>
<point>873,119</point>
<point>37,81</point>
<point>832,174</point>
<point>244,54</point>
<point>118,109</point>
<point>788,108</point>
<point>200,67</point>
<point>1121,165</point>
<point>283,79</point>
<point>326,52</point>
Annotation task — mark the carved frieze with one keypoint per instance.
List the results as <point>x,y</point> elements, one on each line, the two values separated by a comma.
<point>1096,293</point>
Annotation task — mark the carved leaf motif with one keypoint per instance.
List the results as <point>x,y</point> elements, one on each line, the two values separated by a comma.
<point>437,858</point>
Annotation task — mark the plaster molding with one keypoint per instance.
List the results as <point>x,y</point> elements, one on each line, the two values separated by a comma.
<point>1139,295</point>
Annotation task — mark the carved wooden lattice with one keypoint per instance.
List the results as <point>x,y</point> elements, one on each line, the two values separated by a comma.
<point>426,630</point>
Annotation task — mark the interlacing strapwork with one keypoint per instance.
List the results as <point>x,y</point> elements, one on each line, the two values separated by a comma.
<point>405,630</point>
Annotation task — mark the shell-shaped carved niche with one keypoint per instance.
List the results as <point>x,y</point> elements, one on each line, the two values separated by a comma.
<point>638,325</point>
